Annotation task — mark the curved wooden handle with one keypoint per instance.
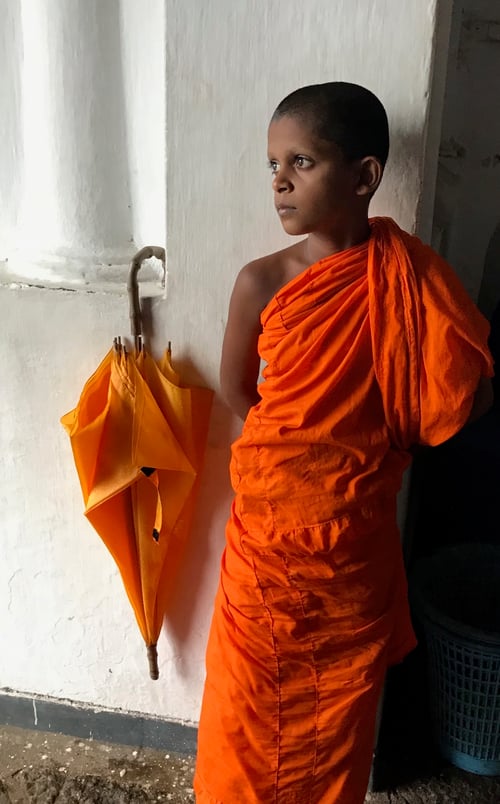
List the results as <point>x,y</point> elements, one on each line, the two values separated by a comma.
<point>133,287</point>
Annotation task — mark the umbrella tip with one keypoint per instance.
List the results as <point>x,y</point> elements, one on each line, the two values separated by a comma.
<point>153,662</point>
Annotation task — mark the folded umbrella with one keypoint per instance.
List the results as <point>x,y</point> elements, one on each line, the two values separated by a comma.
<point>138,438</point>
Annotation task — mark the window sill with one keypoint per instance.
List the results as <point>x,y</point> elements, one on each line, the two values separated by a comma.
<point>80,275</point>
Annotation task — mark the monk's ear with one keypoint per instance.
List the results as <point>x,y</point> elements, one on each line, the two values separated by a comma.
<point>370,172</point>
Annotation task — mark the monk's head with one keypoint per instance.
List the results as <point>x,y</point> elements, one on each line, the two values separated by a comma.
<point>328,145</point>
<point>346,114</point>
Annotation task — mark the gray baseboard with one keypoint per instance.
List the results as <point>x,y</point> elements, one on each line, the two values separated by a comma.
<point>77,720</point>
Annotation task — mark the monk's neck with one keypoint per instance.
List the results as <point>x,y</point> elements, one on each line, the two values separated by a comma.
<point>317,246</point>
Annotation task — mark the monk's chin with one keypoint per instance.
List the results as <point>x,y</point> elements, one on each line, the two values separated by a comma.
<point>294,228</point>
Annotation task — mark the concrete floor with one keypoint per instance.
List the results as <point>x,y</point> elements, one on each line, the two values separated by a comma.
<point>45,768</point>
<point>450,786</point>
<point>37,767</point>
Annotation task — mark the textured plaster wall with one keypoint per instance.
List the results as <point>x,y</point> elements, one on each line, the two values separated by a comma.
<point>67,629</point>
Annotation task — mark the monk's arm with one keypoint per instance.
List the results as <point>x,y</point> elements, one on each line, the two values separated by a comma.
<point>483,399</point>
<point>240,361</point>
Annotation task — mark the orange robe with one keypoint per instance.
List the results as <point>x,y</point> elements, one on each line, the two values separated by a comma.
<point>367,352</point>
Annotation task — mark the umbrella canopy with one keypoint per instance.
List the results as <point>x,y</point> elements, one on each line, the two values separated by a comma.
<point>138,438</point>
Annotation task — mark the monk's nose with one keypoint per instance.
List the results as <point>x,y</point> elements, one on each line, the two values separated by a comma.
<point>281,182</point>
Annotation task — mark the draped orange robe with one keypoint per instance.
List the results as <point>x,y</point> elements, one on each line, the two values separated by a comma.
<point>367,352</point>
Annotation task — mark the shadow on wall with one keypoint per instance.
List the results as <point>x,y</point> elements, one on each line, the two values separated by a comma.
<point>206,540</point>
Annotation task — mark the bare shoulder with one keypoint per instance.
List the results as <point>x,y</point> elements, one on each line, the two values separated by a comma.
<point>262,278</point>
<point>256,284</point>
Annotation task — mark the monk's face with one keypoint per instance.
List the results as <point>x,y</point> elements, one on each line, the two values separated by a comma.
<point>315,187</point>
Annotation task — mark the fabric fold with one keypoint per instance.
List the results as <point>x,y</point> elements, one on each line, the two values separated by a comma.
<point>429,340</point>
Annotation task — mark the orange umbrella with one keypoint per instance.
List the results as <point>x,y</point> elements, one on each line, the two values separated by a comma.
<point>138,438</point>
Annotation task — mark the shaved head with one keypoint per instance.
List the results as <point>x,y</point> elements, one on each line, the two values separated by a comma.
<point>346,114</point>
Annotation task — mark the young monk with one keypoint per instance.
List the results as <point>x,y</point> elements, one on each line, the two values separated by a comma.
<point>371,347</point>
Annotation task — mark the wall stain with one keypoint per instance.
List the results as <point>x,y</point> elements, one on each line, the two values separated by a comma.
<point>451,149</point>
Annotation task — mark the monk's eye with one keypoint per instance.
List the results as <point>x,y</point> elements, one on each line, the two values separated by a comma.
<point>303,162</point>
<point>273,166</point>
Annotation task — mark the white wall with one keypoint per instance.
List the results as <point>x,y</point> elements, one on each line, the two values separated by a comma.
<point>236,62</point>
<point>228,64</point>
